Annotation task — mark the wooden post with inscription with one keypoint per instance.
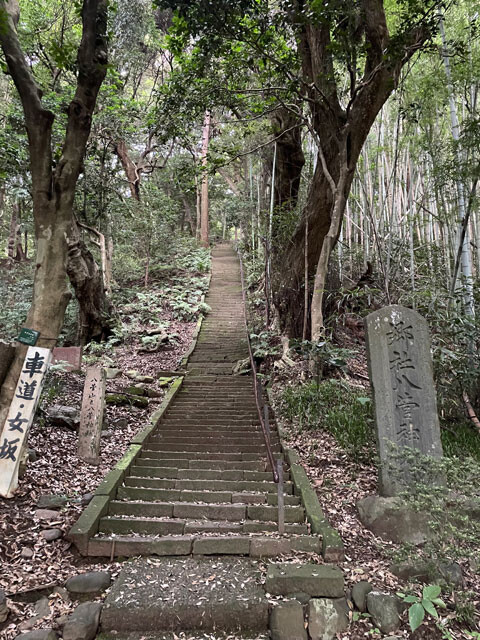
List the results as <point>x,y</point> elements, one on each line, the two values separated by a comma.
<point>405,406</point>
<point>20,416</point>
<point>91,416</point>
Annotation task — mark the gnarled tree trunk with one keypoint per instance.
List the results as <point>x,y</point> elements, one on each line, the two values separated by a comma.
<point>87,279</point>
<point>287,125</point>
<point>340,133</point>
<point>53,188</point>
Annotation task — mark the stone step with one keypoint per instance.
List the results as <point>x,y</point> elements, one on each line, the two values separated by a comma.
<point>180,509</point>
<point>209,485</point>
<point>217,439</point>
<point>206,422</point>
<point>220,356</point>
<point>165,428</point>
<point>219,448</point>
<point>150,469</point>
<point>171,495</point>
<point>192,635</point>
<point>141,526</point>
<point>207,412</point>
<point>206,510</point>
<point>206,506</point>
<point>166,526</point>
<point>213,396</point>
<point>213,465</point>
<point>218,393</point>
<point>162,603</point>
<point>237,381</point>
<point>201,455</point>
<point>222,404</point>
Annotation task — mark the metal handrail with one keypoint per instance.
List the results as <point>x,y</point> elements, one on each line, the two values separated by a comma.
<point>258,397</point>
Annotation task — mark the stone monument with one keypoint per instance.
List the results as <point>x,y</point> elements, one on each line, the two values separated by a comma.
<point>91,415</point>
<point>405,407</point>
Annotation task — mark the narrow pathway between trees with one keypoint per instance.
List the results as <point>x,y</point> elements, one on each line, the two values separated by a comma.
<point>200,486</point>
<point>204,469</point>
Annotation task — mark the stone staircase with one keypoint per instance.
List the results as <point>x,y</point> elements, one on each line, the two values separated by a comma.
<point>200,482</point>
<point>203,471</point>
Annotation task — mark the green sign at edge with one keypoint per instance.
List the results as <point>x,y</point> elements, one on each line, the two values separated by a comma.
<point>28,336</point>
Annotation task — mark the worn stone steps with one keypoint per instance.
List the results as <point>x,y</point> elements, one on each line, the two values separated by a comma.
<point>207,485</point>
<point>217,448</point>
<point>155,468</point>
<point>203,455</point>
<point>212,431</point>
<point>215,440</point>
<point>238,413</point>
<point>201,483</point>
<point>209,422</point>
<point>208,465</point>
<point>213,510</point>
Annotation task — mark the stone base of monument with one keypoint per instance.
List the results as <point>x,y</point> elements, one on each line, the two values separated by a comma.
<point>392,519</point>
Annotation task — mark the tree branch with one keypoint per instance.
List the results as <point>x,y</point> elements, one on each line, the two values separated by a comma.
<point>38,120</point>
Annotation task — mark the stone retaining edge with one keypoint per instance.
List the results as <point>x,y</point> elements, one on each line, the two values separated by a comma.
<point>87,524</point>
<point>157,415</point>
<point>195,544</point>
<point>196,332</point>
<point>332,544</point>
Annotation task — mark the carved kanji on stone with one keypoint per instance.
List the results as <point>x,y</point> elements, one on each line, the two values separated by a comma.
<point>401,376</point>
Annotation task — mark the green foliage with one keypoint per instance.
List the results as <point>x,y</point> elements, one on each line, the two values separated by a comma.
<point>326,355</point>
<point>265,344</point>
<point>16,295</point>
<point>427,603</point>
<point>335,407</point>
<point>446,490</point>
<point>459,439</point>
<point>16,288</point>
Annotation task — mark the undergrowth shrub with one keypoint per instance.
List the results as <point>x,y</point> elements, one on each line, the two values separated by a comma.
<point>335,407</point>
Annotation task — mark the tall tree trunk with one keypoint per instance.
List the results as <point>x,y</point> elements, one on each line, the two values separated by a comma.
<point>287,126</point>
<point>204,222</point>
<point>463,236</point>
<point>53,189</point>
<point>337,131</point>
<point>87,280</point>
<point>129,167</point>
<point>188,215</point>
<point>12,236</point>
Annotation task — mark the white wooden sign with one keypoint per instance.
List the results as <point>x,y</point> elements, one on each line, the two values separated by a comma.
<point>20,416</point>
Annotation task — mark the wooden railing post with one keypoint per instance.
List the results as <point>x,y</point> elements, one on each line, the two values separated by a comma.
<point>281,499</point>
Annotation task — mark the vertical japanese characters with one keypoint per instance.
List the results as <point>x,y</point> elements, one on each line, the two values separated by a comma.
<point>401,375</point>
<point>20,416</point>
<point>91,416</point>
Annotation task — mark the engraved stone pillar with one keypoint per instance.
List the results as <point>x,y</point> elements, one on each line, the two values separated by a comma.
<point>91,415</point>
<point>405,407</point>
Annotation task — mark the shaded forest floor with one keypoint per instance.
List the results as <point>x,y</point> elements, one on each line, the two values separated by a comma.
<point>154,330</point>
<point>30,564</point>
<point>345,472</point>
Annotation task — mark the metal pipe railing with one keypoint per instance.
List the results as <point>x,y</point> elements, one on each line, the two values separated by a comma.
<point>261,405</point>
